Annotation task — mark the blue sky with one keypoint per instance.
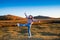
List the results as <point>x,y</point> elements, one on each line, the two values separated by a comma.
<point>34,7</point>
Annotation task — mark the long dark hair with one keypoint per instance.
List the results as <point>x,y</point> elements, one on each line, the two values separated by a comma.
<point>29,17</point>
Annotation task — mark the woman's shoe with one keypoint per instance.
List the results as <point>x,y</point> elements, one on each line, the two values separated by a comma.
<point>18,24</point>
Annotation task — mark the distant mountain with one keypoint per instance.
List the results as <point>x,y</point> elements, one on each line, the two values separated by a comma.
<point>10,17</point>
<point>41,17</point>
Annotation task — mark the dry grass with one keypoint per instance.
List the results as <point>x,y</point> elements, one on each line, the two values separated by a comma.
<point>9,30</point>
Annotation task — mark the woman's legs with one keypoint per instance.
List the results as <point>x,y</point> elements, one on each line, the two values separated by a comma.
<point>29,30</point>
<point>20,25</point>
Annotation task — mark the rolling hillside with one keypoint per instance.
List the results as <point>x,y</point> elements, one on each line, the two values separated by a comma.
<point>42,17</point>
<point>11,17</point>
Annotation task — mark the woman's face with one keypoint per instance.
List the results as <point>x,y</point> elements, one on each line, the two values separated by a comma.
<point>30,16</point>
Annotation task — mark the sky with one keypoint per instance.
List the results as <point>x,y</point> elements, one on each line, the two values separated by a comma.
<point>49,8</point>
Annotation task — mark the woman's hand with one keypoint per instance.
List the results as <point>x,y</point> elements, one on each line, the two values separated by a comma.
<point>39,21</point>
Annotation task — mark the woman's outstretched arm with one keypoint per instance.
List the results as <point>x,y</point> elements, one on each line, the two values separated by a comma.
<point>26,15</point>
<point>35,20</point>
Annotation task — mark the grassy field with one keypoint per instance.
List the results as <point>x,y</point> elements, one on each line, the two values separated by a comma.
<point>40,31</point>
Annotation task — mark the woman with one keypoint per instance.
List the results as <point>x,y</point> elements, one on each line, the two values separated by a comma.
<point>30,21</point>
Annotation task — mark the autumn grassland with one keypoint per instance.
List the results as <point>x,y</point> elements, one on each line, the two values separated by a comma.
<point>47,29</point>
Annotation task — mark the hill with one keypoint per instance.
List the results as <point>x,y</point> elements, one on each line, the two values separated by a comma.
<point>11,17</point>
<point>41,17</point>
